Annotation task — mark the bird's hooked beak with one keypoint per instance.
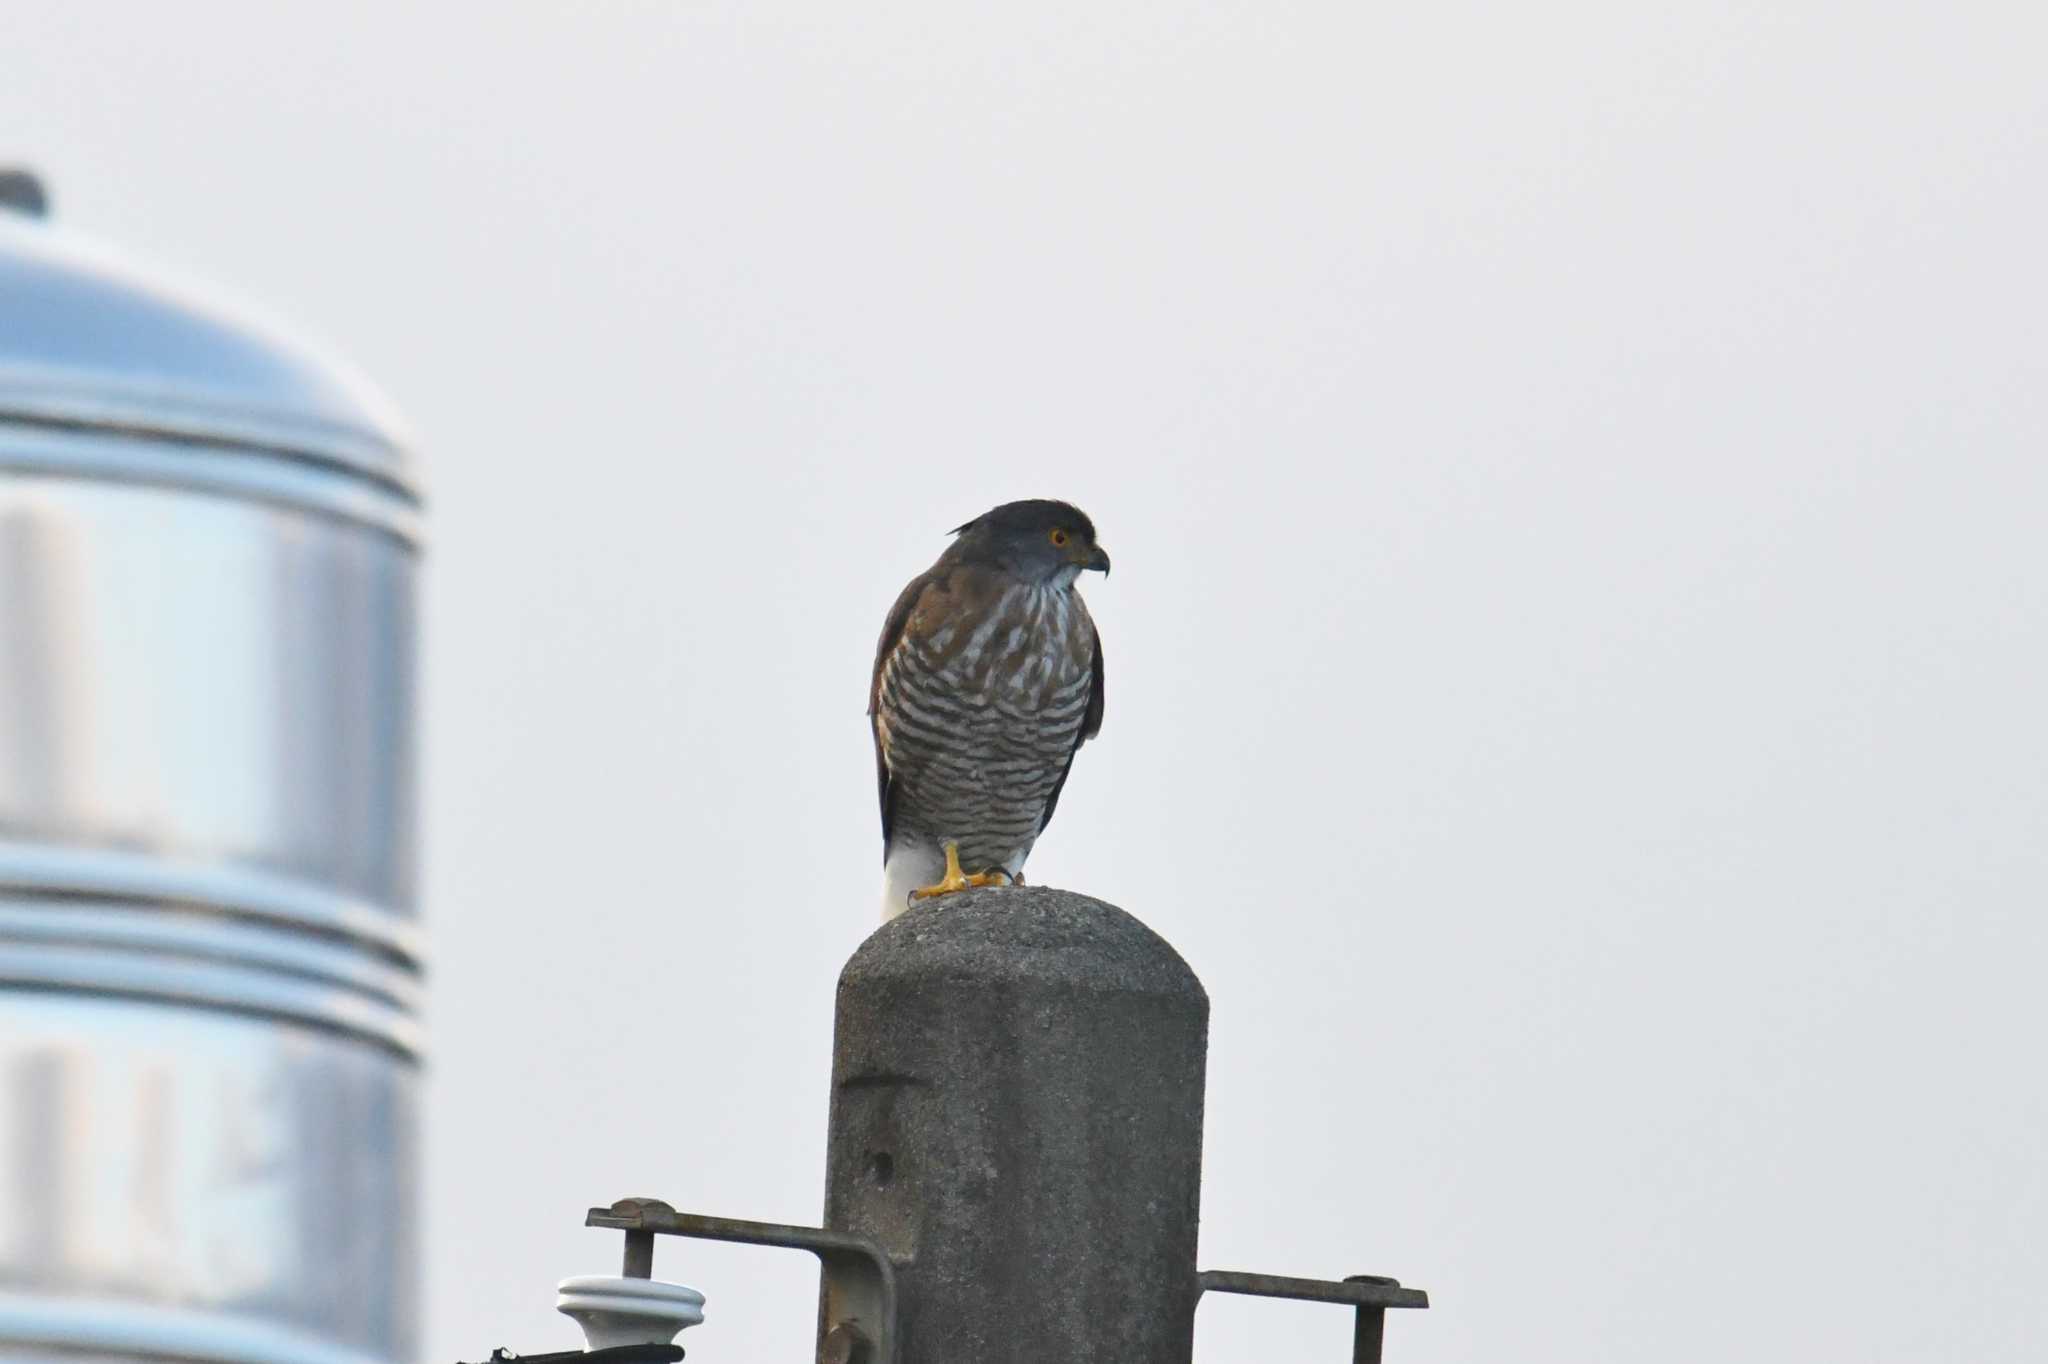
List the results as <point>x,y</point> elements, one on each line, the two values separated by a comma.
<point>1098,560</point>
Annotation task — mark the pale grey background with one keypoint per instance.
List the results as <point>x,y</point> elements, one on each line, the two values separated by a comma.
<point>1577,477</point>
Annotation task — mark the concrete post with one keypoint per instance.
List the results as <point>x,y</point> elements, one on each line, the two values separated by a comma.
<point>1017,1118</point>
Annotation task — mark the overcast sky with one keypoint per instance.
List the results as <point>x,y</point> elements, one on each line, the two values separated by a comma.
<point>1577,476</point>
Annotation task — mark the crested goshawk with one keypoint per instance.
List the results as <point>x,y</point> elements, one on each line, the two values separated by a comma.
<point>987,680</point>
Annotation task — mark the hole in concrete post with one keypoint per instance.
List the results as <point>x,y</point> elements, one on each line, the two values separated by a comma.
<point>881,1168</point>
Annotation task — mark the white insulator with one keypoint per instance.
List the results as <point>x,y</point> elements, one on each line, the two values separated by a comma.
<point>615,1311</point>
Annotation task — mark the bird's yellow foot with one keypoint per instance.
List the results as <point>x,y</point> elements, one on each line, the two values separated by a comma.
<point>957,880</point>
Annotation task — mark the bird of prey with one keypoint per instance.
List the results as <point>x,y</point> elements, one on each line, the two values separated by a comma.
<point>987,681</point>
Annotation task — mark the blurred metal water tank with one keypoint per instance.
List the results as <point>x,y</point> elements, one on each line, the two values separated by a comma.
<point>209,945</point>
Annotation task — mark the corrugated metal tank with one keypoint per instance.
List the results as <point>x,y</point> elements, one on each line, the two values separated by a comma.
<point>209,941</point>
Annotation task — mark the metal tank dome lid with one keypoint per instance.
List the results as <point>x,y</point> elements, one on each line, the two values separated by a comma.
<point>91,341</point>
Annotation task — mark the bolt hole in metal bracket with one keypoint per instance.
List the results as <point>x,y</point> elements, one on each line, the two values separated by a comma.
<point>860,1283</point>
<point>1370,1294</point>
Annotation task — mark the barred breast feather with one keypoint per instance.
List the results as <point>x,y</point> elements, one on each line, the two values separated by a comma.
<point>984,688</point>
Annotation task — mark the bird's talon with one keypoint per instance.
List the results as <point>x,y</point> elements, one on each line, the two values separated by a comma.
<point>956,880</point>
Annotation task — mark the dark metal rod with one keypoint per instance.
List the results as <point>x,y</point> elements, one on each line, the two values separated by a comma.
<point>1369,1336</point>
<point>639,1255</point>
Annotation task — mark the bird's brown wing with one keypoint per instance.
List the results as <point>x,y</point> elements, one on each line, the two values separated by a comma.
<point>892,635</point>
<point>1091,723</point>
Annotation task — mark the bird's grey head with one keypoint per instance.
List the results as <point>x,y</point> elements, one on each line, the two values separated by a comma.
<point>1039,540</point>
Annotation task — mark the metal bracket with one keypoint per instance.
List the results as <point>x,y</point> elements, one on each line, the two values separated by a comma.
<point>1370,1294</point>
<point>859,1309</point>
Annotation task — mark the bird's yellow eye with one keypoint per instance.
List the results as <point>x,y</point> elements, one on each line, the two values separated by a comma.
<point>1059,537</point>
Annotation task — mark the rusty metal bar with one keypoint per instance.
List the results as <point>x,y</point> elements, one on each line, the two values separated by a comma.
<point>1361,1291</point>
<point>859,1325</point>
<point>1370,1294</point>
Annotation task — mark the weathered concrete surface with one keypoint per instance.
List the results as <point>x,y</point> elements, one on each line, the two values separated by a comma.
<point>1017,1116</point>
